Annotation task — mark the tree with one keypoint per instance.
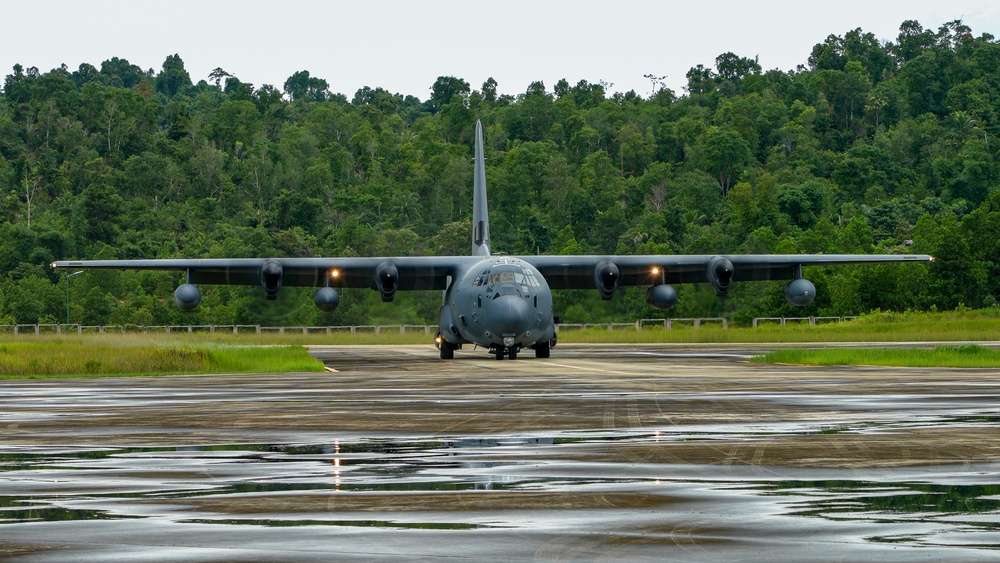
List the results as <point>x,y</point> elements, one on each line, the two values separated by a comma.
<point>217,75</point>
<point>99,214</point>
<point>120,73</point>
<point>173,79</point>
<point>912,40</point>
<point>490,90</point>
<point>302,86</point>
<point>954,278</point>
<point>803,204</point>
<point>406,206</point>
<point>32,182</point>
<point>700,80</point>
<point>446,88</point>
<point>724,154</point>
<point>734,68</point>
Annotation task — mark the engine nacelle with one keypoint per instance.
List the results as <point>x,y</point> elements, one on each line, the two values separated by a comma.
<point>327,299</point>
<point>800,292</point>
<point>386,280</point>
<point>661,296</point>
<point>721,274</point>
<point>187,297</point>
<point>270,277</point>
<point>606,278</point>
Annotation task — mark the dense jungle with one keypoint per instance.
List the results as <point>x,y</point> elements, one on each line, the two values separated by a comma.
<point>871,145</point>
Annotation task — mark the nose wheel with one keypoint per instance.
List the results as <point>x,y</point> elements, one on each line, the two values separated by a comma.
<point>500,351</point>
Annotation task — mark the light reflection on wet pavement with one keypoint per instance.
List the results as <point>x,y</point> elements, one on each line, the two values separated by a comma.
<point>613,452</point>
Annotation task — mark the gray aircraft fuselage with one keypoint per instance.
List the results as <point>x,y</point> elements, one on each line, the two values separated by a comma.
<point>500,300</point>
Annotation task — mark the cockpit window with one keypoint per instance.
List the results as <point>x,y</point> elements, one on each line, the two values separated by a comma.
<point>523,279</point>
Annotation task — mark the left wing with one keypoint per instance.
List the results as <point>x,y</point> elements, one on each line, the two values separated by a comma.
<point>606,273</point>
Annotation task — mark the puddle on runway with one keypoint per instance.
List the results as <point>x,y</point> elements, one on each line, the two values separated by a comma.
<point>61,485</point>
<point>942,511</point>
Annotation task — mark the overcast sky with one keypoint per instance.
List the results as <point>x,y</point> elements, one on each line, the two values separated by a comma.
<point>403,46</point>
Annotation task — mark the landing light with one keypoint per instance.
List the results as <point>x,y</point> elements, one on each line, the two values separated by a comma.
<point>655,270</point>
<point>334,274</point>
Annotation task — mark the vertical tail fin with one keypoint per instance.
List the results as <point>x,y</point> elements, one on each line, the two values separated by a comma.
<point>480,213</point>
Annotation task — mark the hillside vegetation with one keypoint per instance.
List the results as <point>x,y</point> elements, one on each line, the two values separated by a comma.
<point>866,146</point>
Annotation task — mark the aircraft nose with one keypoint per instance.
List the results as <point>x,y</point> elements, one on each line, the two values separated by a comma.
<point>509,314</point>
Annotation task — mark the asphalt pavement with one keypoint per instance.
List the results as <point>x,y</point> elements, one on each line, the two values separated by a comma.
<point>637,452</point>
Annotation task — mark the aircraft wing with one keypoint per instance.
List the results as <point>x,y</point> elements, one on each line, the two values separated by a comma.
<point>581,272</point>
<point>423,272</point>
<point>432,272</point>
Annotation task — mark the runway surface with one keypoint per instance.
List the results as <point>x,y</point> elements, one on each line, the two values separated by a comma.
<point>648,452</point>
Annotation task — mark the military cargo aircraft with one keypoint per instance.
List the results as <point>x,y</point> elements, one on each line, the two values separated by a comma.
<point>499,303</point>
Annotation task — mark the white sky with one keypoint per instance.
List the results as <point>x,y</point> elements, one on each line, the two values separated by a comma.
<point>403,46</point>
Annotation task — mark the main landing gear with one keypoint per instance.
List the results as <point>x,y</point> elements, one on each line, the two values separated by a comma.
<point>544,349</point>
<point>446,348</point>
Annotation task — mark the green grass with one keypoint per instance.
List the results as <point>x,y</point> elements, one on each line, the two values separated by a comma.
<point>73,356</point>
<point>964,356</point>
<point>954,326</point>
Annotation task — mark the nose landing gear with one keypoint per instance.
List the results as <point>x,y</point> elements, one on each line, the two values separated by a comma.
<point>500,351</point>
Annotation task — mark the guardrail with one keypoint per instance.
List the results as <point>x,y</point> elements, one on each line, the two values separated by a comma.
<point>782,321</point>
<point>640,324</point>
<point>668,324</point>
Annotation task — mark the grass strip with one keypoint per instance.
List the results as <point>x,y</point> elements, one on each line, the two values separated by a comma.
<point>963,356</point>
<point>124,355</point>
<point>874,327</point>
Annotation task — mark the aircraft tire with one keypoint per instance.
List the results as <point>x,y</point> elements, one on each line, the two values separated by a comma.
<point>543,350</point>
<point>499,353</point>
<point>512,353</point>
<point>447,351</point>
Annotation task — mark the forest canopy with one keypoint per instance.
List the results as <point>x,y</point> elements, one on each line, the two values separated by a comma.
<point>869,146</point>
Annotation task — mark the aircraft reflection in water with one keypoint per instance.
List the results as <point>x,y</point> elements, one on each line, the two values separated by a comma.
<point>503,304</point>
<point>485,481</point>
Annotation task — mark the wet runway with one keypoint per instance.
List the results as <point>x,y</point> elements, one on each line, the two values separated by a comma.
<point>648,452</point>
